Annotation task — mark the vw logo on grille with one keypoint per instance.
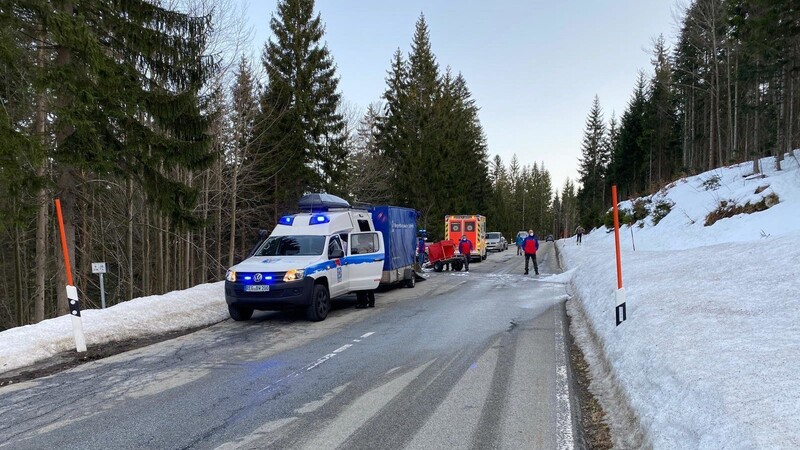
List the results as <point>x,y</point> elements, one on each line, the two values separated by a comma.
<point>257,278</point>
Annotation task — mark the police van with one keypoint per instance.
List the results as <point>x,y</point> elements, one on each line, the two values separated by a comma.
<point>327,251</point>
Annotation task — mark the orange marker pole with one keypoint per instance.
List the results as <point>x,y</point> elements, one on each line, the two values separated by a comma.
<point>619,294</point>
<point>72,291</point>
<point>63,242</point>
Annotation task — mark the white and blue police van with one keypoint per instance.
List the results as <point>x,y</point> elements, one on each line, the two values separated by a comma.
<point>327,251</point>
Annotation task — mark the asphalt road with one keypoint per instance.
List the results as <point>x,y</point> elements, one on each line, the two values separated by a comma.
<point>464,360</point>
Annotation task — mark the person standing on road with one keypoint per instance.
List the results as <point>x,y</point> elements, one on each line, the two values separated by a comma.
<point>465,248</point>
<point>578,234</point>
<point>421,252</point>
<point>519,244</point>
<point>530,245</point>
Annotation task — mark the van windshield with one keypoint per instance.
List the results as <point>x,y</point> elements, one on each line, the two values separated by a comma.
<point>292,245</point>
<point>492,235</point>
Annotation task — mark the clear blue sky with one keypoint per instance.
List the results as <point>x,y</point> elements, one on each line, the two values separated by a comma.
<point>533,66</point>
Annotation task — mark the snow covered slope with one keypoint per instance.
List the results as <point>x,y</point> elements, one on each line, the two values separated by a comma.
<point>710,354</point>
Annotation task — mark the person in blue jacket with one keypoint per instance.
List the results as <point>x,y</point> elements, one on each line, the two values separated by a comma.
<point>530,244</point>
<point>520,238</point>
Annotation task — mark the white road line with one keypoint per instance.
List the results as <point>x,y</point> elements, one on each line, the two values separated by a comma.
<point>320,361</point>
<point>564,438</point>
<point>342,348</point>
<point>356,340</point>
<point>366,335</point>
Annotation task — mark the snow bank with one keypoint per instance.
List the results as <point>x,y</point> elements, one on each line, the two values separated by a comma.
<point>141,317</point>
<point>708,357</point>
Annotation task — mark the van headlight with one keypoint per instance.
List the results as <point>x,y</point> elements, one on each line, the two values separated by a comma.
<point>231,276</point>
<point>294,275</point>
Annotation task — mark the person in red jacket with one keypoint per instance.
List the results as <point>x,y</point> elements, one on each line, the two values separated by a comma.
<point>530,244</point>
<point>465,248</point>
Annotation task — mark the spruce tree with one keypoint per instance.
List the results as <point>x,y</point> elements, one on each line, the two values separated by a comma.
<point>626,169</point>
<point>592,166</point>
<point>301,132</point>
<point>119,86</point>
<point>393,130</point>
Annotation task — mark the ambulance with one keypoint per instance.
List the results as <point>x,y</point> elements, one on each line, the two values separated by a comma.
<point>473,226</point>
<point>327,251</point>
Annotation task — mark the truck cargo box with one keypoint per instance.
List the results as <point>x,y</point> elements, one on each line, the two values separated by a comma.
<point>399,228</point>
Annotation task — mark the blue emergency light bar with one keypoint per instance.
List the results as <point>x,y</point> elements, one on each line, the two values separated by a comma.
<point>286,220</point>
<point>317,219</point>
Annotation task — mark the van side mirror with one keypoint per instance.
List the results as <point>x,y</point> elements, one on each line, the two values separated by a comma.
<point>334,254</point>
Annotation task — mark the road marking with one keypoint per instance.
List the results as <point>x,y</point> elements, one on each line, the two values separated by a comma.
<point>564,438</point>
<point>317,363</point>
<point>320,361</point>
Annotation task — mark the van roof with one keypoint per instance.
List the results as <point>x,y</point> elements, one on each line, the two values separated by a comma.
<point>322,223</point>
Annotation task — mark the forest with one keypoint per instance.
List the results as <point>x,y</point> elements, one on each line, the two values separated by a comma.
<point>169,149</point>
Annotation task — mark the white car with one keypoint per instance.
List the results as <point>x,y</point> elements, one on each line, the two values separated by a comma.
<point>494,241</point>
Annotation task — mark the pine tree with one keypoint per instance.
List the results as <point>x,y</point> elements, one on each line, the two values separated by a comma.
<point>392,129</point>
<point>301,132</point>
<point>626,169</point>
<point>659,137</point>
<point>592,167</point>
<point>119,88</point>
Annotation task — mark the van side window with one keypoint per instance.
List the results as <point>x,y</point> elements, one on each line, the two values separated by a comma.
<point>364,243</point>
<point>334,245</point>
<point>363,225</point>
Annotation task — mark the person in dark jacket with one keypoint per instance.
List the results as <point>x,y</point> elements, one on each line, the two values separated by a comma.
<point>530,245</point>
<point>579,234</point>
<point>465,248</point>
<point>421,252</point>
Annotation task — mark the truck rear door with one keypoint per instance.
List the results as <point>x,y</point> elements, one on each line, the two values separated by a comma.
<point>364,260</point>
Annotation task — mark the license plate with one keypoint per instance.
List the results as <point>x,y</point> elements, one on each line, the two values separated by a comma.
<point>256,288</point>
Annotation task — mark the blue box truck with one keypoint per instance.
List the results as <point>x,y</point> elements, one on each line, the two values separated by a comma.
<point>398,226</point>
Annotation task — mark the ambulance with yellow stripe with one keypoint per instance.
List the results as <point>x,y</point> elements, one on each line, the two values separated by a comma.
<point>473,226</point>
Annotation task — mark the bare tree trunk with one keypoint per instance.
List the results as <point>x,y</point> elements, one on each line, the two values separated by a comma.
<point>146,288</point>
<point>711,135</point>
<point>188,262</point>
<point>161,264</point>
<point>779,145</point>
<point>167,273</point>
<point>736,112</point>
<point>731,147</point>
<point>66,182</point>
<point>203,238</point>
<point>756,142</point>
<point>129,198</point>
<point>20,296</point>
<point>84,256</point>
<point>42,215</point>
<point>219,222</point>
<point>233,197</point>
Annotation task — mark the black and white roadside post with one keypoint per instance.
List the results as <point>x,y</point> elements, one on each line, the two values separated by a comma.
<point>100,268</point>
<point>619,294</point>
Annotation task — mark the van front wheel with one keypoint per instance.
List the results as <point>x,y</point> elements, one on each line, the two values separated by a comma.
<point>320,304</point>
<point>239,313</point>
